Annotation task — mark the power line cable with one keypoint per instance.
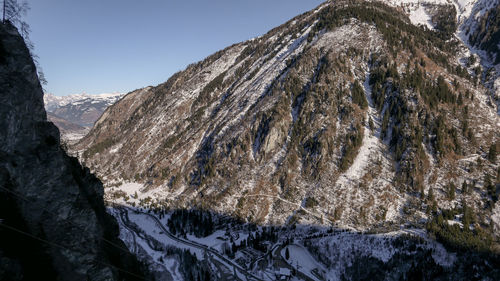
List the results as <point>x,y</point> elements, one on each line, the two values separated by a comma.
<point>75,225</point>
<point>65,248</point>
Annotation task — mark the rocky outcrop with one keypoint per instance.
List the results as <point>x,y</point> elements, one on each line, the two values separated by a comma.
<point>54,225</point>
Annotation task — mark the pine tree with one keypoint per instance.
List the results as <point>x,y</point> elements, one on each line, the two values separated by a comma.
<point>467,218</point>
<point>451,191</point>
<point>489,186</point>
<point>430,195</point>
<point>358,95</point>
<point>492,154</point>
<point>287,254</point>
<point>434,206</point>
<point>487,181</point>
<point>465,189</point>
<point>498,176</point>
<point>460,100</point>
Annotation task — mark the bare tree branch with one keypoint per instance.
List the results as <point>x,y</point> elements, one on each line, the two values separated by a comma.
<point>13,11</point>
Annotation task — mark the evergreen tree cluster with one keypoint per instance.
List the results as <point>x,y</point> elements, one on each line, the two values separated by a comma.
<point>189,266</point>
<point>456,237</point>
<point>99,147</point>
<point>352,143</point>
<point>258,240</point>
<point>358,95</point>
<point>487,36</point>
<point>444,20</point>
<point>195,222</point>
<point>192,269</point>
<point>396,29</point>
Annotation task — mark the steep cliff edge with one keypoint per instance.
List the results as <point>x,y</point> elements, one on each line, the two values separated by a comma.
<point>54,224</point>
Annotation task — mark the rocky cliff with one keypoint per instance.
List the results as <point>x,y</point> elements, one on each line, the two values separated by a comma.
<point>54,224</point>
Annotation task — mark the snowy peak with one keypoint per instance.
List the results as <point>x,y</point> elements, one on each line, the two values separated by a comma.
<point>82,109</point>
<point>75,114</point>
<point>420,11</point>
<point>53,102</point>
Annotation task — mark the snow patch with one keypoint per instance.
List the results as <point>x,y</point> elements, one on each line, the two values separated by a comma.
<point>421,17</point>
<point>301,259</point>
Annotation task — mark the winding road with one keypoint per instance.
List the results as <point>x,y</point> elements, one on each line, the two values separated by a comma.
<point>236,267</point>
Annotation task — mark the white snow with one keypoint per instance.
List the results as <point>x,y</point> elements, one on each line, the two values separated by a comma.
<point>340,249</point>
<point>454,222</point>
<point>131,187</point>
<point>74,136</point>
<point>302,260</point>
<point>151,227</point>
<point>495,217</point>
<point>52,102</point>
<point>420,16</point>
<point>211,241</point>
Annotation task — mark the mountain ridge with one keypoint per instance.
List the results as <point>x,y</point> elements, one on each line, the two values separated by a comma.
<point>238,119</point>
<point>53,102</point>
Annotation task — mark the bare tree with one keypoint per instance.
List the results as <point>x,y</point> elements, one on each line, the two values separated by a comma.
<point>13,11</point>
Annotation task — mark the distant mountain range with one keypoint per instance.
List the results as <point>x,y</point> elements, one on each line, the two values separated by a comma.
<point>75,114</point>
<point>81,109</point>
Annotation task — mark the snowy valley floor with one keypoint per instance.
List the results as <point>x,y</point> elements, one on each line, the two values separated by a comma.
<point>180,245</point>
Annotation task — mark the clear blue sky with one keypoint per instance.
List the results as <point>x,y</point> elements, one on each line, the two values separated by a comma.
<point>101,46</point>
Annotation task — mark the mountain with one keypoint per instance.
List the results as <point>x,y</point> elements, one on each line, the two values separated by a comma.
<point>354,136</point>
<point>349,112</point>
<point>476,25</point>
<point>80,109</point>
<point>74,115</point>
<point>53,222</point>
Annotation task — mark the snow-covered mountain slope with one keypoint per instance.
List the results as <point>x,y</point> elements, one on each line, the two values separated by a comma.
<point>481,32</point>
<point>477,26</point>
<point>346,115</point>
<point>419,10</point>
<point>81,109</point>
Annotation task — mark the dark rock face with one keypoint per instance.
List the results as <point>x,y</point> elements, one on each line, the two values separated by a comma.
<point>54,225</point>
